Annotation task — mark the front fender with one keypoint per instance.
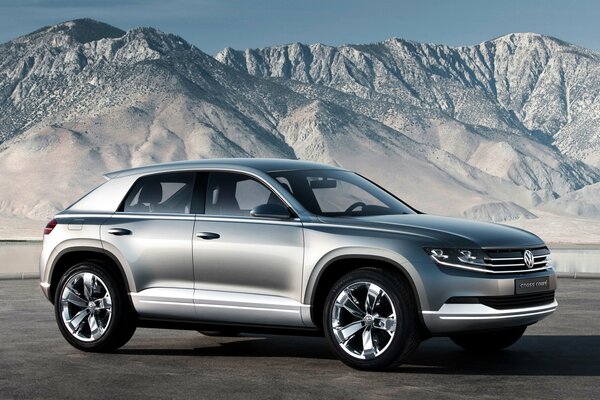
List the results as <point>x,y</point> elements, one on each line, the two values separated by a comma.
<point>366,253</point>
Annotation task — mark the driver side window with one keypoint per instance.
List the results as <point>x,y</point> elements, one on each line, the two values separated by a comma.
<point>236,194</point>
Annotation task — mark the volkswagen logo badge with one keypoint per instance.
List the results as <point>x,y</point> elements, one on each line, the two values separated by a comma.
<point>528,258</point>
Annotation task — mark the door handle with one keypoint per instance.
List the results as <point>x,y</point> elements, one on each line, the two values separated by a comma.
<point>119,231</point>
<point>207,235</point>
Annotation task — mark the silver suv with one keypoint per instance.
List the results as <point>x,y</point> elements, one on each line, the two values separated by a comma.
<point>282,246</point>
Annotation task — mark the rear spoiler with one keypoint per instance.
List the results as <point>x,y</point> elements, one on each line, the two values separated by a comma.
<point>146,168</point>
<point>109,175</point>
<point>123,172</point>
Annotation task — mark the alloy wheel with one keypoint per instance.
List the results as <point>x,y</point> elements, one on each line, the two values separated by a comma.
<point>363,320</point>
<point>86,306</point>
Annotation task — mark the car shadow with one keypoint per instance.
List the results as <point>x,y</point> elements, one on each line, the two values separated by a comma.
<point>534,355</point>
<point>248,345</point>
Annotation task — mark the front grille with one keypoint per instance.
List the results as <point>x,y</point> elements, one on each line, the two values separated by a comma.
<point>503,260</point>
<point>518,300</point>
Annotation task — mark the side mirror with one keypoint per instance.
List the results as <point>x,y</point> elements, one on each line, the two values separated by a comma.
<point>270,211</point>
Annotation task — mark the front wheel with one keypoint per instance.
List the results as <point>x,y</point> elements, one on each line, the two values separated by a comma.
<point>370,319</point>
<point>489,341</point>
<point>91,309</point>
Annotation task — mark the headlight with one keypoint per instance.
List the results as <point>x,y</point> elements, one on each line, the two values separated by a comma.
<point>458,257</point>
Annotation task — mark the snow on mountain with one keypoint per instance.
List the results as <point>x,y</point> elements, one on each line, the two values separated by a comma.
<point>451,130</point>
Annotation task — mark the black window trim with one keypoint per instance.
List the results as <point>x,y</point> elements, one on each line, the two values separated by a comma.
<point>199,193</point>
<point>121,208</point>
<point>293,213</point>
<point>391,194</point>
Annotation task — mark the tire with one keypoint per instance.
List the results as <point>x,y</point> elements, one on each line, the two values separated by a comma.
<point>222,333</point>
<point>97,306</point>
<point>387,324</point>
<point>489,342</point>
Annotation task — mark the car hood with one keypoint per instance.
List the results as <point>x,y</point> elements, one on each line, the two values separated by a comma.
<point>449,231</point>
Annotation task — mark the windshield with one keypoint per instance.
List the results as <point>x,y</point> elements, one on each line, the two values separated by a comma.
<point>335,193</point>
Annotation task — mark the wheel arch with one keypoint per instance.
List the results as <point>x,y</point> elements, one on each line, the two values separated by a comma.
<point>73,255</point>
<point>334,266</point>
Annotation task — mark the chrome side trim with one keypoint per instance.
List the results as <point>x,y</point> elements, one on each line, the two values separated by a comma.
<point>481,311</point>
<point>45,286</point>
<point>162,302</point>
<point>90,215</point>
<point>165,295</point>
<point>165,302</point>
<point>306,315</point>
<point>500,316</point>
<point>216,306</point>
<point>234,307</point>
<point>451,318</point>
<point>150,216</point>
<point>188,217</point>
<point>254,308</point>
<point>249,220</point>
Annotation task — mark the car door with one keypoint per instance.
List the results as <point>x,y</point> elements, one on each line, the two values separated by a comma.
<point>247,269</point>
<point>152,233</point>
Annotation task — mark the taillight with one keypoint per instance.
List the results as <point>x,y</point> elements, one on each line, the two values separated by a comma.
<point>50,226</point>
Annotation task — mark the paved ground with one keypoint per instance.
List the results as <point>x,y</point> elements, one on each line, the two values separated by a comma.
<point>558,358</point>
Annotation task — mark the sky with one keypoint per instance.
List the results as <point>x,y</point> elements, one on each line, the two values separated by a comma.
<point>212,25</point>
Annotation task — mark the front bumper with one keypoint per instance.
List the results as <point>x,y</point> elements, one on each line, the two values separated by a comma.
<point>452,318</point>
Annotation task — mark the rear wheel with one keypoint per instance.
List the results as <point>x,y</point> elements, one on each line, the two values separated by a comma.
<point>370,319</point>
<point>489,341</point>
<point>92,310</point>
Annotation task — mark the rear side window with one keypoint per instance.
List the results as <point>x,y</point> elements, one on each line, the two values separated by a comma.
<point>162,193</point>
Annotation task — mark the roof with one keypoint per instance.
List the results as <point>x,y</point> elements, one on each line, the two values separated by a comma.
<point>261,164</point>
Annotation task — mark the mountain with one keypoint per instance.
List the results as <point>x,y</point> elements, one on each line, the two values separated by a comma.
<point>429,122</point>
<point>514,107</point>
<point>584,201</point>
<point>524,83</point>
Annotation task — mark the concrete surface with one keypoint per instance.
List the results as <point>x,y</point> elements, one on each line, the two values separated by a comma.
<point>19,259</point>
<point>559,358</point>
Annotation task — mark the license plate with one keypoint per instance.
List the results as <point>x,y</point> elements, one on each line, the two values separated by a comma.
<point>532,285</point>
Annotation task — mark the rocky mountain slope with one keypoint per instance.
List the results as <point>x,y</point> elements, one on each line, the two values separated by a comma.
<point>456,131</point>
<point>524,83</point>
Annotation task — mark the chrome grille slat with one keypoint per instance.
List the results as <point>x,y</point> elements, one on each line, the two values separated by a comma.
<point>517,265</point>
<point>496,262</point>
<point>515,258</point>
